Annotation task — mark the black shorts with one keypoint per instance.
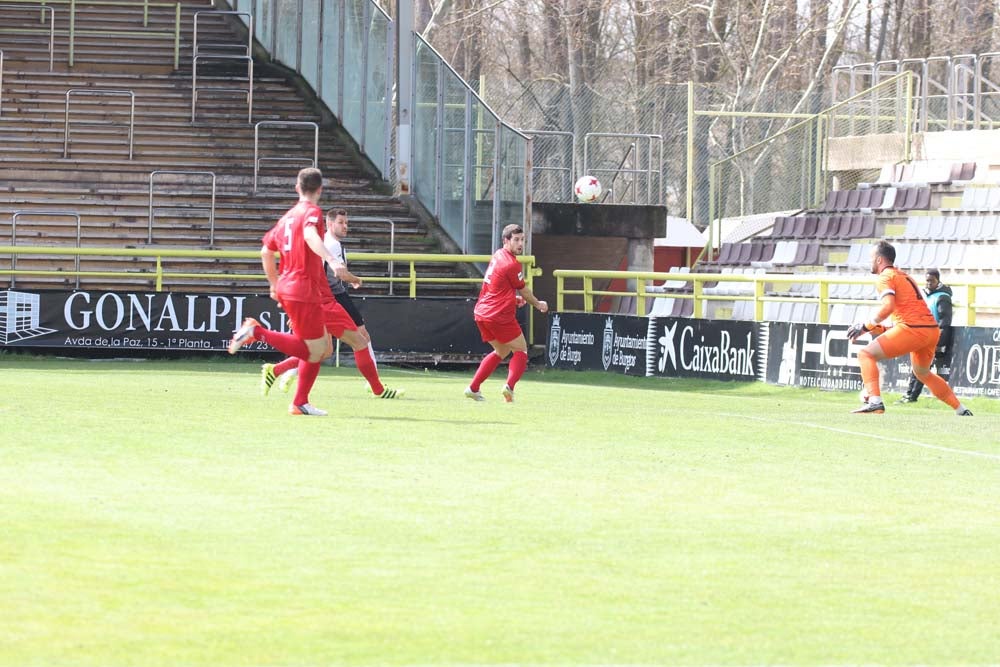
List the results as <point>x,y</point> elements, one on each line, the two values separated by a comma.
<point>345,300</point>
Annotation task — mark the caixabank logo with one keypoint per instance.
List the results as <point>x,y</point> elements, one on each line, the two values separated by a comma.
<point>19,317</point>
<point>706,348</point>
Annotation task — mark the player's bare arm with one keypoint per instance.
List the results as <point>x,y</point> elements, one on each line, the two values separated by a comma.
<point>342,272</point>
<point>315,243</point>
<point>530,297</point>
<point>267,260</point>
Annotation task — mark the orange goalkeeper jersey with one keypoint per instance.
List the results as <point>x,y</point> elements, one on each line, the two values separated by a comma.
<point>911,309</point>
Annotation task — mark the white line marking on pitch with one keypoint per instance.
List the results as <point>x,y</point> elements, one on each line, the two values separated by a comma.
<point>915,443</point>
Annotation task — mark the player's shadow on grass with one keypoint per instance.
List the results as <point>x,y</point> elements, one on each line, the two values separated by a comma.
<point>471,422</point>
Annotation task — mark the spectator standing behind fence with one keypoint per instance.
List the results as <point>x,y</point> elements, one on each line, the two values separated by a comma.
<point>938,297</point>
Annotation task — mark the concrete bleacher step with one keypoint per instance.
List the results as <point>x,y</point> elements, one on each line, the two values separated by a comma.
<point>110,192</point>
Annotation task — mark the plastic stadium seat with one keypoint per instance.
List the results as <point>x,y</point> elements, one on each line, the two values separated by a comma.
<point>923,199</point>
<point>831,200</point>
<point>976,223</point>
<point>993,199</point>
<point>662,307</point>
<point>888,200</point>
<point>949,228</point>
<point>991,228</point>
<point>809,226</point>
<point>854,199</point>
<point>768,251</point>
<point>888,174</point>
<point>756,251</point>
<point>963,228</point>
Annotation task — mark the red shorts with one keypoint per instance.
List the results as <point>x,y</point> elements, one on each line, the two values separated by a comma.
<point>336,319</point>
<point>306,318</point>
<point>503,332</point>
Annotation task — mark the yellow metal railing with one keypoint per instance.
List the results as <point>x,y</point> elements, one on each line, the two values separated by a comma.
<point>405,264</point>
<point>73,32</point>
<point>761,284</point>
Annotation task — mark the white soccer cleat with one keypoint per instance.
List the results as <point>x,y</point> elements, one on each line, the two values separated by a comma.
<point>287,379</point>
<point>507,393</point>
<point>243,335</point>
<point>306,409</point>
<point>474,395</point>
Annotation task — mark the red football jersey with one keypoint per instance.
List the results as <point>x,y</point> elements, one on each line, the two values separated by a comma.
<point>504,276</point>
<point>302,277</point>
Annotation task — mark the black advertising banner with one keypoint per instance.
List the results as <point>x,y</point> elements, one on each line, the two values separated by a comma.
<point>820,356</point>
<point>596,342</point>
<point>713,349</point>
<point>975,362</point>
<point>670,347</point>
<point>122,321</point>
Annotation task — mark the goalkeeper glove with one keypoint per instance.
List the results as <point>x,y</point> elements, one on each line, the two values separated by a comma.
<point>855,331</point>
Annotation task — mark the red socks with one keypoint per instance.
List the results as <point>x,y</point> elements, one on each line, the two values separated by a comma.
<point>287,343</point>
<point>516,368</point>
<point>307,378</point>
<point>366,366</point>
<point>486,367</point>
<point>283,367</point>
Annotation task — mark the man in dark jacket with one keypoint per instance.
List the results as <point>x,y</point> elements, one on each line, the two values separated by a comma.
<point>938,297</point>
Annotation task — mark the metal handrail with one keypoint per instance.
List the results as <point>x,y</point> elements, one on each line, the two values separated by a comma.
<point>1,83</point>
<point>211,210</point>
<point>411,278</point>
<point>247,55</point>
<point>282,123</point>
<point>558,133</point>
<point>72,32</point>
<point>35,214</point>
<point>621,165</point>
<point>758,295</point>
<point>649,171</point>
<point>52,26</point>
<point>98,91</point>
<point>392,239</point>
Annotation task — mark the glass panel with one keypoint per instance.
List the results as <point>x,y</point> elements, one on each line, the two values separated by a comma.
<point>424,131</point>
<point>262,22</point>
<point>512,146</point>
<point>453,179</point>
<point>310,43</point>
<point>354,31</point>
<point>288,37</point>
<point>483,151</point>
<point>331,54</point>
<point>375,106</point>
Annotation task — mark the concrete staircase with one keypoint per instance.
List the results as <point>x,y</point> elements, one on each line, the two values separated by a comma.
<point>111,192</point>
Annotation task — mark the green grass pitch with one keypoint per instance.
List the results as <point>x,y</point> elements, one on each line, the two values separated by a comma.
<point>165,514</point>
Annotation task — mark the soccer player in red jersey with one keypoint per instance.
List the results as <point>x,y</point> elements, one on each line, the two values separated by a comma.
<point>340,315</point>
<point>914,331</point>
<point>298,288</point>
<point>496,314</point>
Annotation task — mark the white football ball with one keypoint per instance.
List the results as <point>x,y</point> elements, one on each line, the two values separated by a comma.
<point>587,189</point>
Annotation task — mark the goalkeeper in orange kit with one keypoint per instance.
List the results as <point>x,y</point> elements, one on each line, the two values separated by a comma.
<point>913,331</point>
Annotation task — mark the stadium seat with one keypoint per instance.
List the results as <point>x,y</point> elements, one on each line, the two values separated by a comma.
<point>888,201</point>
<point>923,199</point>
<point>743,310</point>
<point>963,228</point>
<point>854,199</point>
<point>990,229</point>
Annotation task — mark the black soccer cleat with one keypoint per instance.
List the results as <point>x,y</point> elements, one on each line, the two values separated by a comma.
<point>965,413</point>
<point>870,409</point>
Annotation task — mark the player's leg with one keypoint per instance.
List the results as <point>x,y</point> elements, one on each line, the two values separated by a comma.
<point>921,360</point>
<point>284,369</point>
<point>518,364</point>
<point>489,362</point>
<point>913,389</point>
<point>366,364</point>
<point>868,358</point>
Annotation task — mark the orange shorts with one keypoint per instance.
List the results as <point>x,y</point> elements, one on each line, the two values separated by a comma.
<point>503,332</point>
<point>920,342</point>
<point>305,317</point>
